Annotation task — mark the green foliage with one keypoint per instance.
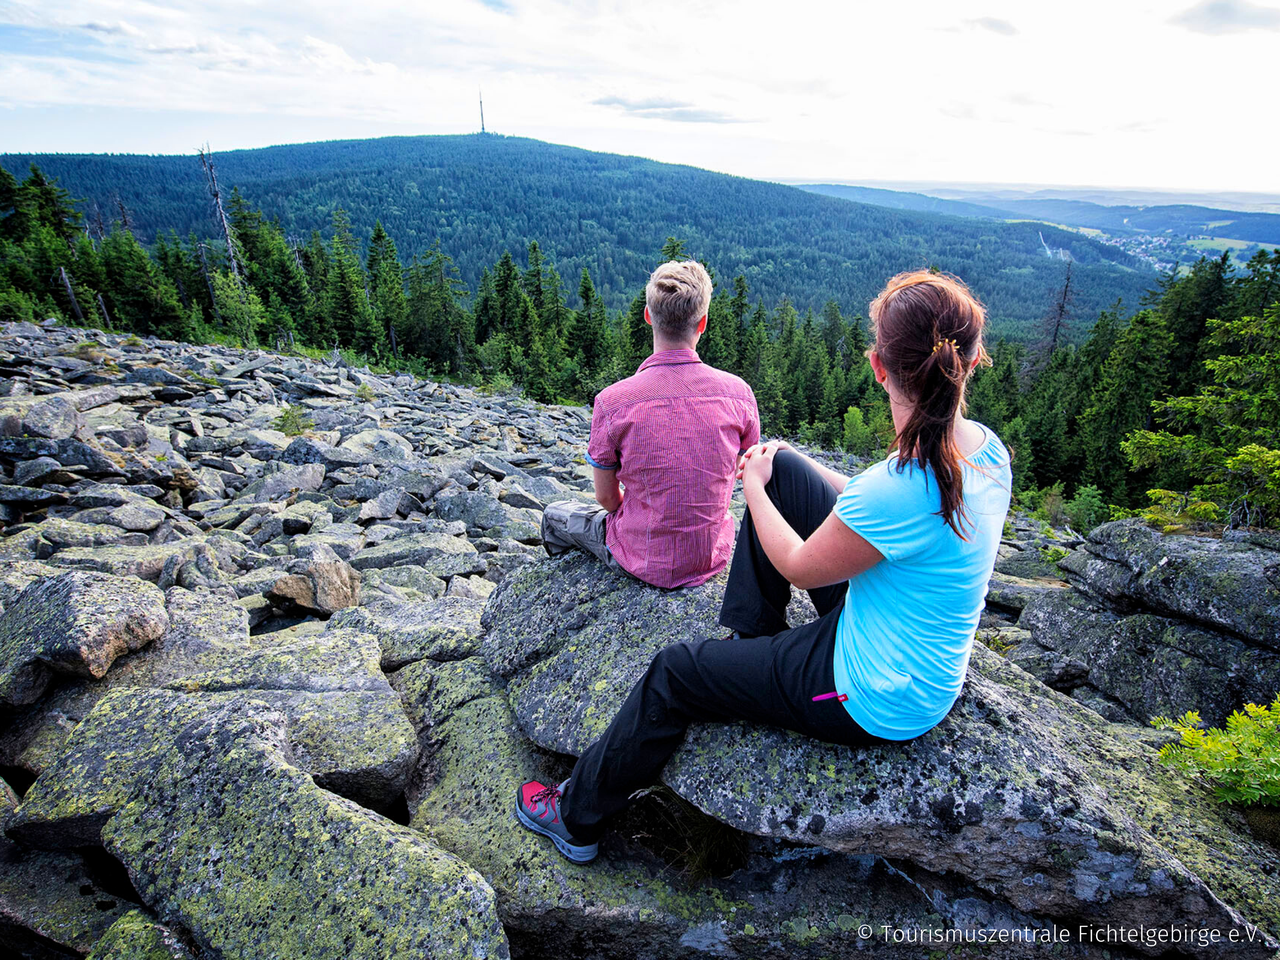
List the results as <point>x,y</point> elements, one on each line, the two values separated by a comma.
<point>293,420</point>
<point>859,438</point>
<point>1241,761</point>
<point>364,393</point>
<point>1223,444</point>
<point>1174,512</point>
<point>1052,555</point>
<point>1086,509</point>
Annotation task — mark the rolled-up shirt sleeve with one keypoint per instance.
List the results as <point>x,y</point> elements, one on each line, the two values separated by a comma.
<point>602,452</point>
<point>751,428</point>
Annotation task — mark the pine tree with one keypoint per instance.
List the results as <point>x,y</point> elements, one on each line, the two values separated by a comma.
<point>386,279</point>
<point>1134,374</point>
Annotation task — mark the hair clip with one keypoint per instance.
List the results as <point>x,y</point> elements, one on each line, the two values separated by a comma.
<point>938,346</point>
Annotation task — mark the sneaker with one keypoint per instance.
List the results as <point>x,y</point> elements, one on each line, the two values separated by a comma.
<point>538,808</point>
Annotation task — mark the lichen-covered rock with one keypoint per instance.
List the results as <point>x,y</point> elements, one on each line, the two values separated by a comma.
<point>1020,790</point>
<point>135,936</point>
<point>8,802</point>
<point>239,847</point>
<point>54,417</point>
<point>345,723</point>
<point>382,444</point>
<point>76,624</point>
<point>1225,585</point>
<point>1014,593</point>
<point>443,629</point>
<point>1143,664</point>
<point>51,904</point>
<point>439,554</point>
<point>145,562</point>
<point>322,587</point>
<point>17,575</point>
<point>781,903</point>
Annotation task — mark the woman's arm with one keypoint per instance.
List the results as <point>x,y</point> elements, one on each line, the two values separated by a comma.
<point>832,554</point>
<point>838,481</point>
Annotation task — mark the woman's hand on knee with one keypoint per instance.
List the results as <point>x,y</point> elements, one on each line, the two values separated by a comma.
<point>759,448</point>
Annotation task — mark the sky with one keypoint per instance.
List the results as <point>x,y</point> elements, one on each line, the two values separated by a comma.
<point>1170,95</point>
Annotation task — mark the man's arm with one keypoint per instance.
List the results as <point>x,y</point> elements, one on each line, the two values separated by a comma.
<point>608,493</point>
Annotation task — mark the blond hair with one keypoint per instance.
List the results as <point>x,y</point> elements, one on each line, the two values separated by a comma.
<point>678,295</point>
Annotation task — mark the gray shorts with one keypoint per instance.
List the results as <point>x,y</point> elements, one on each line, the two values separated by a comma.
<point>573,523</point>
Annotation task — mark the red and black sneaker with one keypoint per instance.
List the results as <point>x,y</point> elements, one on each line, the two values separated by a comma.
<point>538,808</point>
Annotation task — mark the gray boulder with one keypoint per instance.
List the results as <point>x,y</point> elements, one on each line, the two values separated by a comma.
<point>1020,790</point>
<point>346,727</point>
<point>443,629</point>
<point>54,417</point>
<point>1142,664</point>
<point>1230,586</point>
<point>242,849</point>
<point>75,624</point>
<point>440,554</point>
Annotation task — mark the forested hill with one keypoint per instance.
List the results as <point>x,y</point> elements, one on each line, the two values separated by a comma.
<point>485,194</point>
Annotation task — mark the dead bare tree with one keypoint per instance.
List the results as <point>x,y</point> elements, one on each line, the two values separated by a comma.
<point>126,220</point>
<point>220,214</point>
<point>1061,310</point>
<point>71,295</point>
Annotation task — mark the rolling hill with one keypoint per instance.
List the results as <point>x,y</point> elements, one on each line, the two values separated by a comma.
<point>483,194</point>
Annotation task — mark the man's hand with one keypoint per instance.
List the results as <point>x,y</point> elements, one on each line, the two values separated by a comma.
<point>759,448</point>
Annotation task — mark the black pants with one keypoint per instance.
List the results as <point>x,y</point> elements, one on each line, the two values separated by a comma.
<point>770,676</point>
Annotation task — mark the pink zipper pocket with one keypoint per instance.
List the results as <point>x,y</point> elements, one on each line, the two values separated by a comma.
<point>842,697</point>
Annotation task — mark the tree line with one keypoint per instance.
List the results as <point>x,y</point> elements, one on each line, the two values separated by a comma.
<point>1181,398</point>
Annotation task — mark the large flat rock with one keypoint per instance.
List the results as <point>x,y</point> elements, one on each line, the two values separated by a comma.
<point>779,903</point>
<point>1020,790</point>
<point>447,628</point>
<point>346,727</point>
<point>239,846</point>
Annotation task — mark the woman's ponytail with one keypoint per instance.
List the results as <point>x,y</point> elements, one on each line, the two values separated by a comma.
<point>928,332</point>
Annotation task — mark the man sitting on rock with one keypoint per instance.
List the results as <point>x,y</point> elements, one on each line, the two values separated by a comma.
<point>664,446</point>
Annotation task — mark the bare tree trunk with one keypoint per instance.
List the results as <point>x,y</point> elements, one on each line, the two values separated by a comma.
<point>71,295</point>
<point>106,317</point>
<point>220,214</point>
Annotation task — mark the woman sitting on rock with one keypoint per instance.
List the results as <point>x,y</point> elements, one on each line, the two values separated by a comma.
<point>896,561</point>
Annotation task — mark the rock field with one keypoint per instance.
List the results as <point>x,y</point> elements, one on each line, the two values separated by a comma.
<point>267,695</point>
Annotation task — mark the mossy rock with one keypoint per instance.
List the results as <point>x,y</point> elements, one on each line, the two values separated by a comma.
<point>1225,585</point>
<point>136,936</point>
<point>783,903</point>
<point>1020,790</point>
<point>345,725</point>
<point>447,628</point>
<point>51,904</point>
<point>241,848</point>
<point>1148,665</point>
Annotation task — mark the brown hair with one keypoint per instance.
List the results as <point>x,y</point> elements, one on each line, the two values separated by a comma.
<point>678,295</point>
<point>928,330</point>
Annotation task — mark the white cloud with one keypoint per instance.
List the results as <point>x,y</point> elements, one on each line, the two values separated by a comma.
<point>1228,16</point>
<point>921,89</point>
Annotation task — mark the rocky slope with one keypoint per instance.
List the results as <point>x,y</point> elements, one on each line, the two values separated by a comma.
<point>269,696</point>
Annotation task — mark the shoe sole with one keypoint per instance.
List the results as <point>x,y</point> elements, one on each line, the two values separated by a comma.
<point>568,851</point>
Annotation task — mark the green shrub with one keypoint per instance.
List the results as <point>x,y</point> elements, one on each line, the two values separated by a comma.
<point>364,392</point>
<point>1240,762</point>
<point>859,436</point>
<point>1086,509</point>
<point>1053,554</point>
<point>1174,512</point>
<point>293,421</point>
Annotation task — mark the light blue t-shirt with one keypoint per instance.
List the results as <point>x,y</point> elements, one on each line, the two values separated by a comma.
<point>907,628</point>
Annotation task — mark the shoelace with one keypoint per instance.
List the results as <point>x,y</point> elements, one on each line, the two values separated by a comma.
<point>546,793</point>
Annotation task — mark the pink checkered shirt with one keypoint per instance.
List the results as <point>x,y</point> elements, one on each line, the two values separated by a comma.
<point>673,432</point>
